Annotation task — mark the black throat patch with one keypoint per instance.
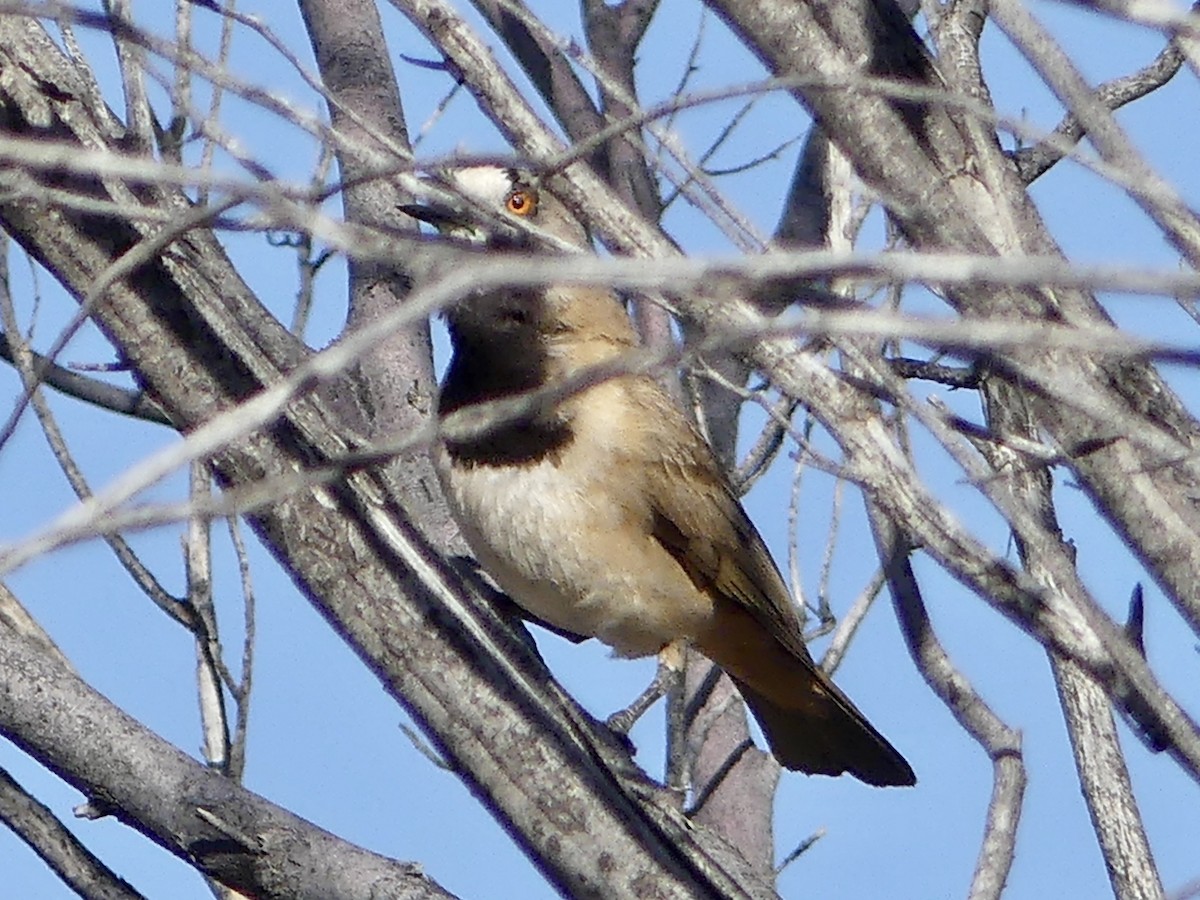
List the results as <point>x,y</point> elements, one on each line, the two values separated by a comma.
<point>486,370</point>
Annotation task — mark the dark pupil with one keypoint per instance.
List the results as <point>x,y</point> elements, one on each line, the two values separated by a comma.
<point>517,201</point>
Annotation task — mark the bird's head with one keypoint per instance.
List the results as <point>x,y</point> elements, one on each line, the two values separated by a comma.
<point>500,208</point>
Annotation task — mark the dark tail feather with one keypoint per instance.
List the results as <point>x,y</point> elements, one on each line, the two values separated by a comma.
<point>828,738</point>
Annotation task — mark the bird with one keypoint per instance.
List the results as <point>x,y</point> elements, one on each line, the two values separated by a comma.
<point>607,514</point>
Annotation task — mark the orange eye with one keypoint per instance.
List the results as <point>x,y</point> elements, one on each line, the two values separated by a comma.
<point>521,202</point>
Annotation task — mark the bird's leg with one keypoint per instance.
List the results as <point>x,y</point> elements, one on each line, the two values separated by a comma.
<point>670,664</point>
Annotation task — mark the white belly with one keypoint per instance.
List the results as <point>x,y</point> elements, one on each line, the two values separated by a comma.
<point>573,554</point>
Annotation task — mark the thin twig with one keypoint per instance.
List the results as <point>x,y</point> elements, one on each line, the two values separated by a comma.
<point>36,825</point>
<point>22,359</point>
<point>1033,162</point>
<point>243,690</point>
<point>847,626</point>
<point>114,398</point>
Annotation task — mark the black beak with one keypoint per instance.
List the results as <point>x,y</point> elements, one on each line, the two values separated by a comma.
<point>440,217</point>
<point>455,223</point>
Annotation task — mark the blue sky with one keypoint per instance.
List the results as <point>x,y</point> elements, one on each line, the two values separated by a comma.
<point>326,742</point>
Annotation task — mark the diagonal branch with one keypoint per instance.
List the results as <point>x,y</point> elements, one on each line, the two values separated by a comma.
<point>998,740</point>
<point>65,854</point>
<point>227,832</point>
<point>90,390</point>
<point>1157,198</point>
<point>1033,162</point>
<point>1103,774</point>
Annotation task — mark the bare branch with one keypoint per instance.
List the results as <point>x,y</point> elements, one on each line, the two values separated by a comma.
<point>90,390</point>
<point>243,690</point>
<point>551,73</point>
<point>23,359</point>
<point>1032,162</point>
<point>133,68</point>
<point>77,866</point>
<point>848,626</point>
<point>952,376</point>
<point>214,721</point>
<point>51,714</point>
<point>1155,196</point>
<point>1103,774</point>
<point>1000,742</point>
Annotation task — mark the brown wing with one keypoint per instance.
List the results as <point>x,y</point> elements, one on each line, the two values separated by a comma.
<point>703,526</point>
<point>755,634</point>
